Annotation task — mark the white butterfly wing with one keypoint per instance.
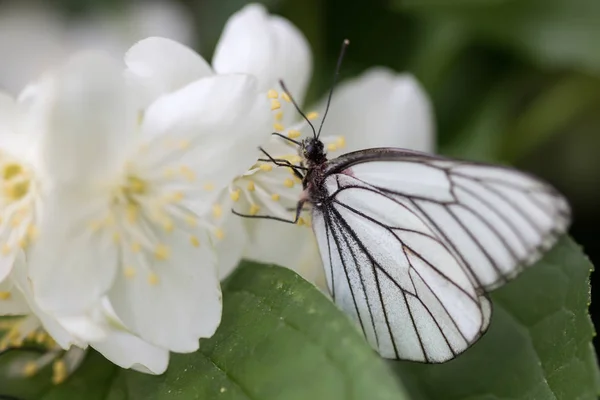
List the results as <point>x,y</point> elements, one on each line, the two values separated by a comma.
<point>390,272</point>
<point>495,220</point>
<point>410,243</point>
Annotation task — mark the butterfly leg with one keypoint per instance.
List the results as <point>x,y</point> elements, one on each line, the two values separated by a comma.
<point>285,163</point>
<point>299,209</point>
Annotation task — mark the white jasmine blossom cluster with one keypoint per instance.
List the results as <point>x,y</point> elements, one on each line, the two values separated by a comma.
<point>118,181</point>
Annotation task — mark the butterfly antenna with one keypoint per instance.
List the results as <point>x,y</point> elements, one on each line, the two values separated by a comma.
<point>345,44</point>
<point>285,89</point>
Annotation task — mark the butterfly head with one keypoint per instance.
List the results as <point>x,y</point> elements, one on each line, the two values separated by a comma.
<point>313,151</point>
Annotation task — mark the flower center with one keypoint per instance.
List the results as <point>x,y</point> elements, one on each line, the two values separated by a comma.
<point>17,201</point>
<point>267,189</point>
<point>143,217</point>
<point>27,332</point>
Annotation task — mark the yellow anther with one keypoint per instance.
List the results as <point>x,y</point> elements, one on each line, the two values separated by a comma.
<point>187,173</point>
<point>331,147</point>
<point>312,115</point>
<point>59,372</point>
<point>50,343</point>
<point>176,197</point>
<point>251,186</point>
<point>5,295</point>
<point>340,142</point>
<point>194,241</point>
<point>23,242</point>
<point>272,94</point>
<point>209,186</point>
<point>293,133</point>
<point>136,247</point>
<point>191,220</point>
<point>286,97</point>
<point>275,197</point>
<point>16,220</point>
<point>116,237</point>
<point>275,105</point>
<point>217,211</point>
<point>162,252</point>
<point>135,185</point>
<point>279,116</point>
<point>11,171</point>
<point>16,190</point>
<point>30,369</point>
<point>169,173</point>
<point>220,234</point>
<point>95,225</point>
<point>301,221</point>
<point>153,279</point>
<point>295,159</point>
<point>254,209</point>
<point>129,272</point>
<point>184,144</point>
<point>235,195</point>
<point>41,337</point>
<point>6,249</point>
<point>32,232</point>
<point>278,127</point>
<point>266,167</point>
<point>168,225</point>
<point>140,117</point>
<point>132,212</point>
<point>288,183</point>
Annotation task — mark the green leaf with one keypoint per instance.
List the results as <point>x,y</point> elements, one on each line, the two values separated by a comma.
<point>538,345</point>
<point>280,338</point>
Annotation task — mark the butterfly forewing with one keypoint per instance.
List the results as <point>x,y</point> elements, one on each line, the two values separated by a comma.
<point>410,242</point>
<point>495,220</point>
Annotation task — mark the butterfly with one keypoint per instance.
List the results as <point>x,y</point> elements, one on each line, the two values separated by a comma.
<point>412,242</point>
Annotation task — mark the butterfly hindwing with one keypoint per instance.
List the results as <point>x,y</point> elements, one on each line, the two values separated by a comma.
<point>388,270</point>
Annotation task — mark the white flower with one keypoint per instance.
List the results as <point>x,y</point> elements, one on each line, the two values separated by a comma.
<point>379,108</point>
<point>125,190</point>
<point>34,38</point>
<point>64,339</point>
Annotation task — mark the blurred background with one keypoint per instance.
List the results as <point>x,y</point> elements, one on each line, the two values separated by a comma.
<point>512,81</point>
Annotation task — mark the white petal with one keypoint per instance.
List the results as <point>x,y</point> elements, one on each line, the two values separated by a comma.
<point>128,351</point>
<point>221,120</point>
<point>90,120</point>
<point>162,66</point>
<point>269,47</point>
<point>287,245</point>
<point>170,303</point>
<point>72,265</point>
<point>15,303</point>
<point>381,108</point>
<point>49,323</point>
<point>231,247</point>
<point>6,265</point>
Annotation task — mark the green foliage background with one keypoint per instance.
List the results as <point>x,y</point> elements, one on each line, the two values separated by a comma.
<point>514,81</point>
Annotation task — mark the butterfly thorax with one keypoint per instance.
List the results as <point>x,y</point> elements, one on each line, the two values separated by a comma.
<point>314,157</point>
